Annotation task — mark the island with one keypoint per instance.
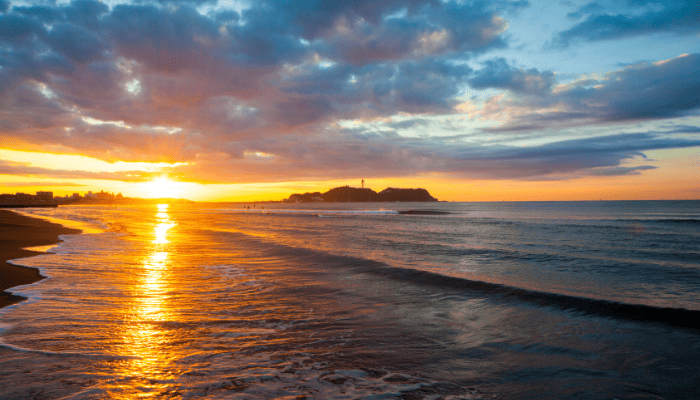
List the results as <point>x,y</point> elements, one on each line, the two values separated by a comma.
<point>345,194</point>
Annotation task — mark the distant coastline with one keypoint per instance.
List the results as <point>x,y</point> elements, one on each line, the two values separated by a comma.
<point>133,200</point>
<point>346,194</point>
<point>47,199</point>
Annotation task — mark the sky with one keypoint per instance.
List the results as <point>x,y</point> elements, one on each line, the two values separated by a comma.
<point>227,100</point>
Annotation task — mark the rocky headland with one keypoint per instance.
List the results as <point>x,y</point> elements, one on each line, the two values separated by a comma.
<point>346,194</point>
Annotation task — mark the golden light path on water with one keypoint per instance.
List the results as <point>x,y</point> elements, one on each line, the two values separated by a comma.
<point>146,343</point>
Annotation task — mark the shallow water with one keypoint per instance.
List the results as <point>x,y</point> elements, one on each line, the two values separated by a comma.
<point>505,300</point>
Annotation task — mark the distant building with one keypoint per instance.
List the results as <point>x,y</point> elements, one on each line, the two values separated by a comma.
<point>24,197</point>
<point>104,195</point>
<point>44,196</point>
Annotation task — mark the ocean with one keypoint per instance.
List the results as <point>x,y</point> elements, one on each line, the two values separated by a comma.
<point>512,300</point>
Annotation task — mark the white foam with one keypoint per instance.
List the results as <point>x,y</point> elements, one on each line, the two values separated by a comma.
<point>87,226</point>
<point>232,270</point>
<point>89,393</point>
<point>251,332</point>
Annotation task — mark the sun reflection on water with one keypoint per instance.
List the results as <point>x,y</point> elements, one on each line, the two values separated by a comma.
<point>164,224</point>
<point>147,341</point>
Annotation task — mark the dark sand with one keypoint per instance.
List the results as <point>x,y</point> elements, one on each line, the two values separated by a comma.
<point>16,233</point>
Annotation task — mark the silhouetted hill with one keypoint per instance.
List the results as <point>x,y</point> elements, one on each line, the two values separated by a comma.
<point>350,194</point>
<point>305,198</point>
<point>394,194</point>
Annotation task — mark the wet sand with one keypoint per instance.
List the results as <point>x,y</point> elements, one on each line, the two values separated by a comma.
<point>16,233</point>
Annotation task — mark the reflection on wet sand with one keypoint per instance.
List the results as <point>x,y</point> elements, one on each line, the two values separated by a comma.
<point>146,342</point>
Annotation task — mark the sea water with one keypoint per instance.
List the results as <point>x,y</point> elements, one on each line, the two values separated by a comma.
<point>313,301</point>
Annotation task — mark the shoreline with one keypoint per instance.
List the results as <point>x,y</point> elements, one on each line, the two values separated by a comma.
<point>18,232</point>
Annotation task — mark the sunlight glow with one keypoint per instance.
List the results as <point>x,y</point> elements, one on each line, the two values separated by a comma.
<point>258,154</point>
<point>71,162</point>
<point>121,124</point>
<point>162,188</point>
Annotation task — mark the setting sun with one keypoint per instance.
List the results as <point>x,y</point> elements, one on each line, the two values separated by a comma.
<point>162,188</point>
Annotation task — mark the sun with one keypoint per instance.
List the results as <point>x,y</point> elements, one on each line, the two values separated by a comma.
<point>162,187</point>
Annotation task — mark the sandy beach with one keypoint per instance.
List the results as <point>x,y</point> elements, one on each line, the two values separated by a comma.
<point>18,232</point>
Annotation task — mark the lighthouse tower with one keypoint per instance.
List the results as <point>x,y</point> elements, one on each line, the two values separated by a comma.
<point>363,184</point>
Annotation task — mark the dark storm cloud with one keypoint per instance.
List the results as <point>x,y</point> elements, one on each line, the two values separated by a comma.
<point>615,20</point>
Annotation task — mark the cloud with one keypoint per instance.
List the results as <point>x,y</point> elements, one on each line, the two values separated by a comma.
<point>22,169</point>
<point>76,43</point>
<point>568,156</point>
<point>618,171</point>
<point>422,86</point>
<point>39,184</point>
<point>316,19</point>
<point>435,29</point>
<point>630,18</point>
<point>285,64</point>
<point>260,94</point>
<point>646,91</point>
<point>498,74</point>
<point>586,9</point>
<point>354,152</point>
